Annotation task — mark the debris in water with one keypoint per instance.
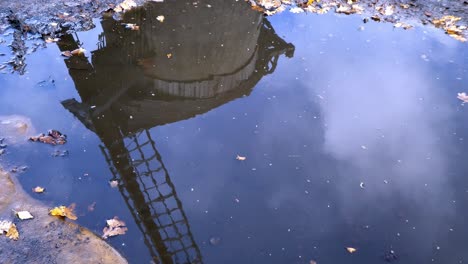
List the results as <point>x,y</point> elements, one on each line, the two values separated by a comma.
<point>60,153</point>
<point>114,227</point>
<point>241,158</point>
<point>215,241</point>
<point>51,40</point>
<point>390,256</point>
<point>64,211</point>
<point>362,185</point>
<point>54,137</point>
<point>78,52</point>
<point>131,26</point>
<point>38,189</point>
<point>24,215</point>
<point>91,207</point>
<point>160,18</point>
<point>169,55</point>
<point>114,183</point>
<point>351,250</point>
<point>463,97</point>
<point>66,53</point>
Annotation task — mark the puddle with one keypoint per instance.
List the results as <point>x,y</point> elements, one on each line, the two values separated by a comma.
<point>353,136</point>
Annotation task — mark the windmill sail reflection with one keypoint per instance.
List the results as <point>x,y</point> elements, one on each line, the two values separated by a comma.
<point>202,56</point>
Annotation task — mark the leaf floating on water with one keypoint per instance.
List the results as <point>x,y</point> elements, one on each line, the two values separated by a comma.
<point>131,26</point>
<point>38,189</point>
<point>64,211</point>
<point>114,227</point>
<point>160,18</point>
<point>78,52</point>
<point>24,215</point>
<point>351,250</point>
<point>296,10</point>
<point>67,53</point>
<point>463,97</point>
<point>241,158</point>
<point>114,183</point>
<point>51,40</point>
<point>402,25</point>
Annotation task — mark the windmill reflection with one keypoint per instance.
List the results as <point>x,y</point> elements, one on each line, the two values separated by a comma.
<point>202,56</point>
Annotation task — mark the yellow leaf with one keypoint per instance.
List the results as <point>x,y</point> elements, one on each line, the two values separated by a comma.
<point>12,232</point>
<point>240,158</point>
<point>351,250</point>
<point>38,189</point>
<point>64,211</point>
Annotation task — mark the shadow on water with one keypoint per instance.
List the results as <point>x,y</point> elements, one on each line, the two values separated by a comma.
<point>190,64</point>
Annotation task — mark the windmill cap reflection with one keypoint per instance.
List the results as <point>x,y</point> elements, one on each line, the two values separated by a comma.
<point>202,56</point>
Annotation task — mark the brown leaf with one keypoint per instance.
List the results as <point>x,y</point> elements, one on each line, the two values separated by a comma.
<point>114,227</point>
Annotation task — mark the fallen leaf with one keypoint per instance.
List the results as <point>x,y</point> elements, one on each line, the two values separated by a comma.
<point>402,25</point>
<point>64,211</point>
<point>12,232</point>
<point>113,183</point>
<point>160,18</point>
<point>296,10</point>
<point>78,52</point>
<point>24,215</point>
<point>5,226</point>
<point>132,26</point>
<point>67,53</point>
<point>38,189</point>
<point>114,227</point>
<point>10,229</point>
<point>169,55</point>
<point>51,40</point>
<point>351,250</point>
<point>404,6</point>
<point>463,97</point>
<point>240,158</point>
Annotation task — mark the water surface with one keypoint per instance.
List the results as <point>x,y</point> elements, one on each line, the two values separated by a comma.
<point>352,138</point>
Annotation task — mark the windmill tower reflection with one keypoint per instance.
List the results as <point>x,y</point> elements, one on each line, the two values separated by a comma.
<point>202,56</point>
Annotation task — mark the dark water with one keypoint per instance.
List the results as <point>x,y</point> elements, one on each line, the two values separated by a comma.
<point>318,108</point>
